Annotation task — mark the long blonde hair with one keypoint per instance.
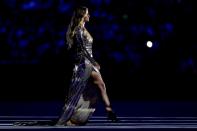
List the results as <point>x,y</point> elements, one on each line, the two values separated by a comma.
<point>76,21</point>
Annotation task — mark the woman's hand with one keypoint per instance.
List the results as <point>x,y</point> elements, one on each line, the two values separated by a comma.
<point>97,66</point>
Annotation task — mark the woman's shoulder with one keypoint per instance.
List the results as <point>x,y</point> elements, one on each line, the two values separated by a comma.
<point>79,30</point>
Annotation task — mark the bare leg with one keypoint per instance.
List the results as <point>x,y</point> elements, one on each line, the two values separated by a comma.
<point>98,81</point>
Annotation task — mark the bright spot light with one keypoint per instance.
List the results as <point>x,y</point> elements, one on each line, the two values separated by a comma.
<point>149,44</point>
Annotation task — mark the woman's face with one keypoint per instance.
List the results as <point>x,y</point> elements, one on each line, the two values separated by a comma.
<point>86,16</point>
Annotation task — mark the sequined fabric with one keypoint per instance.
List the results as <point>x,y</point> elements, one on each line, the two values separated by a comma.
<point>82,96</point>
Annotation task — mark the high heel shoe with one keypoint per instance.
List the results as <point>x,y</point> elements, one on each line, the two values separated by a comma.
<point>112,116</point>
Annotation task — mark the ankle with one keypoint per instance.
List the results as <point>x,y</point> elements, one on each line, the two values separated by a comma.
<point>108,108</point>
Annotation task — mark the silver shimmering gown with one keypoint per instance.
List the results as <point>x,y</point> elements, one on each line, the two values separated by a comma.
<point>82,95</point>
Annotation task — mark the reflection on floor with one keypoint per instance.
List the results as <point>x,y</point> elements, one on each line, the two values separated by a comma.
<point>133,115</point>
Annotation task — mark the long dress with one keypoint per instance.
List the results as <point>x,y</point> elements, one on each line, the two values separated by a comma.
<point>82,95</point>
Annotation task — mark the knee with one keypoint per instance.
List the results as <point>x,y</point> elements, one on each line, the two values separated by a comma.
<point>101,86</point>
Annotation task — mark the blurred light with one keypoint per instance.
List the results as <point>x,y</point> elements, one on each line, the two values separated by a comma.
<point>134,29</point>
<point>169,27</point>
<point>96,2</point>
<point>107,2</point>
<point>29,5</point>
<point>2,29</point>
<point>41,30</point>
<point>114,27</point>
<point>96,14</point>
<point>60,43</point>
<point>149,44</point>
<point>42,48</point>
<point>103,14</point>
<point>118,57</point>
<point>190,61</point>
<point>23,43</point>
<point>109,35</point>
<point>19,32</point>
<point>125,16</point>
<point>150,31</point>
<point>64,7</point>
<point>110,17</point>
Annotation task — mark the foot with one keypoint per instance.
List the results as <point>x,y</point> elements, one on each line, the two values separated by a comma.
<point>70,123</point>
<point>112,116</point>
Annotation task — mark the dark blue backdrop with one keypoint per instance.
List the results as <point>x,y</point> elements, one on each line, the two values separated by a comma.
<point>34,63</point>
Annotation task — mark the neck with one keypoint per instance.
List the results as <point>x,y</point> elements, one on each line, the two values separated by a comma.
<point>83,24</point>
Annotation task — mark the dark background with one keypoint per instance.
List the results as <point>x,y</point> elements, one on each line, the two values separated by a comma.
<point>34,64</point>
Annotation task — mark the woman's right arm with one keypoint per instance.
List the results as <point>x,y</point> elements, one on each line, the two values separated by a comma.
<point>85,52</point>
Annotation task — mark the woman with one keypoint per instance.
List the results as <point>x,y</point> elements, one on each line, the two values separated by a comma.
<point>86,75</point>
